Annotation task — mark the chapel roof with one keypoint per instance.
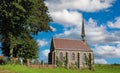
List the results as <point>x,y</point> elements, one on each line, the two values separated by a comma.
<point>70,44</point>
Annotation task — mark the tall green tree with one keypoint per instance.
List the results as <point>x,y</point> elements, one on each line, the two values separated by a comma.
<point>19,19</point>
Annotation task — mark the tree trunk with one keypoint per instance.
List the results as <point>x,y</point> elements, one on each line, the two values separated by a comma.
<point>11,55</point>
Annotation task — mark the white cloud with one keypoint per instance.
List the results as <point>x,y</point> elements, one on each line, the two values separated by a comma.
<point>53,29</point>
<point>94,33</point>
<point>45,52</point>
<point>107,51</point>
<point>100,61</point>
<point>113,37</point>
<point>70,33</point>
<point>42,42</point>
<point>115,24</point>
<point>45,55</point>
<point>66,18</point>
<point>83,5</point>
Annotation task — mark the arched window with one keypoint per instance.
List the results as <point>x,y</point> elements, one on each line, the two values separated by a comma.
<point>61,55</point>
<point>73,56</point>
<point>90,58</point>
<point>85,58</point>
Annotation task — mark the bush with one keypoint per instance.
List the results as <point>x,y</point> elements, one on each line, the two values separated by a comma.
<point>59,63</point>
<point>3,61</point>
<point>116,64</point>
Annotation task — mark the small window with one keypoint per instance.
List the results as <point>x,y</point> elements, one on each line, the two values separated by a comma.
<point>73,56</point>
<point>61,55</point>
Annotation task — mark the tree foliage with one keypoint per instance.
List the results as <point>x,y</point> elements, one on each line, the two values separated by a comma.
<point>19,19</point>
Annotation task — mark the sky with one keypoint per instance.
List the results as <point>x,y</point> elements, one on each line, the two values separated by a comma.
<point>102,27</point>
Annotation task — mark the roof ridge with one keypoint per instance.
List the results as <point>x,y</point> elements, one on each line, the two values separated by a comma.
<point>68,39</point>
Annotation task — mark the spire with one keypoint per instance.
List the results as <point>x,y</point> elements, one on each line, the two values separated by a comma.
<point>83,30</point>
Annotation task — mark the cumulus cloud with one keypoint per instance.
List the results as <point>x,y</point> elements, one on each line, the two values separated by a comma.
<point>113,37</point>
<point>94,33</point>
<point>107,51</point>
<point>42,42</point>
<point>115,24</point>
<point>100,61</point>
<point>83,5</point>
<point>66,18</point>
<point>45,54</point>
<point>53,29</point>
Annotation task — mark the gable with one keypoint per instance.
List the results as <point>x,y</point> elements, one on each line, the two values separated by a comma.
<point>52,46</point>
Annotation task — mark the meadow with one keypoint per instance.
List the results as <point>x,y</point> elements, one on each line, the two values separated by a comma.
<point>25,69</point>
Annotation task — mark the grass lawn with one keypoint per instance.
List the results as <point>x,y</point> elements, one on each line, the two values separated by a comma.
<point>24,69</point>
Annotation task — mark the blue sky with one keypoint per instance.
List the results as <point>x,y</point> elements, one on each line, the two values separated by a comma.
<point>102,26</point>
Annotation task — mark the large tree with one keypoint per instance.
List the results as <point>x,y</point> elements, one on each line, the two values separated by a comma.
<point>19,19</point>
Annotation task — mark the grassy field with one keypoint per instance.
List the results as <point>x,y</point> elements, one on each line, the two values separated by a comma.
<point>24,69</point>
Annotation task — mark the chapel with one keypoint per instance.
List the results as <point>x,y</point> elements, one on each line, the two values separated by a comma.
<point>70,52</point>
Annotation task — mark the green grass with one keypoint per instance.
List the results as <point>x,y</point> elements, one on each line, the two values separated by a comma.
<point>24,69</point>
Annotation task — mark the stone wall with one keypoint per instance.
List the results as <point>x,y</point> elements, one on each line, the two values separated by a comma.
<point>43,66</point>
<point>79,57</point>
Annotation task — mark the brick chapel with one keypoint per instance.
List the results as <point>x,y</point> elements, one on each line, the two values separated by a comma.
<point>69,52</point>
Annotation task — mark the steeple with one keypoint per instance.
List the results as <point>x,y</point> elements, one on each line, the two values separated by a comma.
<point>83,31</point>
